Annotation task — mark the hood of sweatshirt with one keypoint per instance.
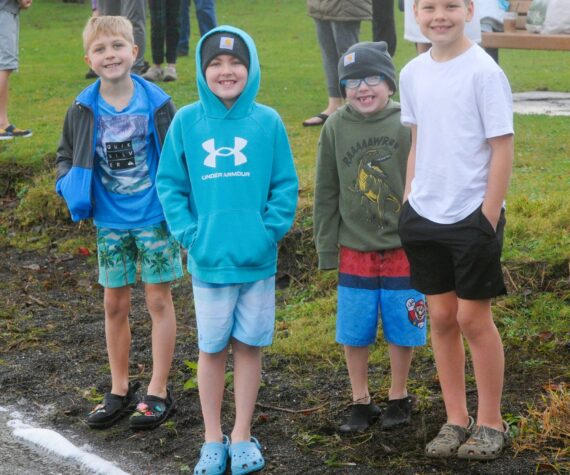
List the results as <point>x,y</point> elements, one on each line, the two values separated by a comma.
<point>213,105</point>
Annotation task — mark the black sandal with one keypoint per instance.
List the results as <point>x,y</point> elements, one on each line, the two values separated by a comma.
<point>322,119</point>
<point>152,411</point>
<point>113,408</point>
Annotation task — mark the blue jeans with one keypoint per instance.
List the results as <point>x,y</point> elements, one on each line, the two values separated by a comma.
<point>206,15</point>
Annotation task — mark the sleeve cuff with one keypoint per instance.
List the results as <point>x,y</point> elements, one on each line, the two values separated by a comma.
<point>328,260</point>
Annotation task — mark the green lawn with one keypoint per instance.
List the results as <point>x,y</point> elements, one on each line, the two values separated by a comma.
<point>52,70</point>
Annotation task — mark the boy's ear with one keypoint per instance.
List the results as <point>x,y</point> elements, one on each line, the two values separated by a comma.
<point>135,51</point>
<point>87,60</point>
<point>470,11</point>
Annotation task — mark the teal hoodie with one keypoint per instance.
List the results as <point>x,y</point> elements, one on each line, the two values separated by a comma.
<point>227,181</point>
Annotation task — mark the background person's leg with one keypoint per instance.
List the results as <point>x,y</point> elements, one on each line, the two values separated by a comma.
<point>384,23</point>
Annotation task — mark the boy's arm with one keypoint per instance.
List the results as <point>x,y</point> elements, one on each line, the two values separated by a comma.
<point>326,213</point>
<point>174,188</point>
<point>283,189</point>
<point>411,166</point>
<point>499,176</point>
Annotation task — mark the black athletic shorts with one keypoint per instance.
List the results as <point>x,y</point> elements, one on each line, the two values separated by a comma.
<point>464,257</point>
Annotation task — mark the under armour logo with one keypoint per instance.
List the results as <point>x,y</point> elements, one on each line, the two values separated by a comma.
<point>213,152</point>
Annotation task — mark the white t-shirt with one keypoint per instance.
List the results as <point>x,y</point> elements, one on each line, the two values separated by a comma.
<point>456,105</point>
<point>412,30</point>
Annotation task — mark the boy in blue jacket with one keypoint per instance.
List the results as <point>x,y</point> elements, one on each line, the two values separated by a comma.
<point>228,187</point>
<point>106,168</point>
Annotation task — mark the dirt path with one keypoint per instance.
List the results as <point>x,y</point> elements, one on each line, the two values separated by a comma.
<point>53,353</point>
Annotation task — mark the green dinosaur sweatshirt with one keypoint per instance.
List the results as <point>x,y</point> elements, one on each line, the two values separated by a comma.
<point>361,172</point>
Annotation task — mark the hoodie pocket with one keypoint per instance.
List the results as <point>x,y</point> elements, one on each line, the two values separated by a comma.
<point>232,238</point>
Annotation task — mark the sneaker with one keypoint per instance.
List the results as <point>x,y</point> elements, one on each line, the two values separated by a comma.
<point>154,74</point>
<point>113,408</point>
<point>361,417</point>
<point>398,413</point>
<point>170,74</point>
<point>181,52</point>
<point>10,132</point>
<point>485,443</point>
<point>449,439</point>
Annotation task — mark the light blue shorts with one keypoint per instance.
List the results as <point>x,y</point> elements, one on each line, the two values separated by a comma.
<point>373,284</point>
<point>245,312</point>
<point>119,251</point>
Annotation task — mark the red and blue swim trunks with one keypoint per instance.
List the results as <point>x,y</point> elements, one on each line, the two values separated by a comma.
<point>373,284</point>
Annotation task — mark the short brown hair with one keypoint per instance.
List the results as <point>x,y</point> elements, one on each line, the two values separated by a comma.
<point>107,25</point>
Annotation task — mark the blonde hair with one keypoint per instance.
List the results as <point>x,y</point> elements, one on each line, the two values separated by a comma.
<point>107,25</point>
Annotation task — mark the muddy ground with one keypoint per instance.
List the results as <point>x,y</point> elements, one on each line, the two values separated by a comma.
<point>52,353</point>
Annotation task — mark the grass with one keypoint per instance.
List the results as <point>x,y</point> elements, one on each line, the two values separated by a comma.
<point>537,246</point>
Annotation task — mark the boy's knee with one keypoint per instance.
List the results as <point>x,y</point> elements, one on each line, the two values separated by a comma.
<point>158,299</point>
<point>115,308</point>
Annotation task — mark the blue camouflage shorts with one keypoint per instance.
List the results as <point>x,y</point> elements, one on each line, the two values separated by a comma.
<point>120,251</point>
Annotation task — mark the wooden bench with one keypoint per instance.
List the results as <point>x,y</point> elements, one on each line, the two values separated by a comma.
<point>525,40</point>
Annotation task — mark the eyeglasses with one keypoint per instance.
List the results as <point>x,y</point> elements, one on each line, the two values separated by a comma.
<point>369,81</point>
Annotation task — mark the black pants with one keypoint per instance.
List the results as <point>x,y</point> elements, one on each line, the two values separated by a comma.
<point>164,29</point>
<point>384,24</point>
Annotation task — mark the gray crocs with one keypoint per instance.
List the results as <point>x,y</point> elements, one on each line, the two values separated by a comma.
<point>449,439</point>
<point>485,443</point>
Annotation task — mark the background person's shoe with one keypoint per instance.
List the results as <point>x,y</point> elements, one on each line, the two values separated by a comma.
<point>91,74</point>
<point>169,74</point>
<point>154,74</point>
<point>361,417</point>
<point>10,132</point>
<point>398,413</point>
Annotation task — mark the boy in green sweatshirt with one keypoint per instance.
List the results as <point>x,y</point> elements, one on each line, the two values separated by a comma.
<point>361,169</point>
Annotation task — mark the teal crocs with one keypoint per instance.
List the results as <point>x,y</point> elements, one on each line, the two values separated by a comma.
<point>213,458</point>
<point>246,457</point>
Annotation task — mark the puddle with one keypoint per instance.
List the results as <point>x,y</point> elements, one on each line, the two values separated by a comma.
<point>542,102</point>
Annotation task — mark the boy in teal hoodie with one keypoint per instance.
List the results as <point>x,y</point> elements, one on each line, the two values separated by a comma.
<point>228,186</point>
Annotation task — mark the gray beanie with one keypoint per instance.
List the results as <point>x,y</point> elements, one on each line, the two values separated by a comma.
<point>224,43</point>
<point>367,59</point>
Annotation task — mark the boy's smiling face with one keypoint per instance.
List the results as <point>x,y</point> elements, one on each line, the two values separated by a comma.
<point>226,77</point>
<point>443,21</point>
<point>111,57</point>
<point>368,100</point>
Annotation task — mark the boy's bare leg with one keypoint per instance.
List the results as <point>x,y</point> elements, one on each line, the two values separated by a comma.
<point>161,309</point>
<point>449,354</point>
<point>211,382</point>
<point>400,362</point>
<point>247,376</point>
<point>117,303</point>
<point>357,365</point>
<point>4,80</point>
<point>477,325</point>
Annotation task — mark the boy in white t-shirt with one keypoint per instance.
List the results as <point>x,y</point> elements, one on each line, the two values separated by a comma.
<point>458,104</point>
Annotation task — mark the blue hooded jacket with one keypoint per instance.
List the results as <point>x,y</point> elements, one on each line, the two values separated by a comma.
<point>76,150</point>
<point>227,181</point>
